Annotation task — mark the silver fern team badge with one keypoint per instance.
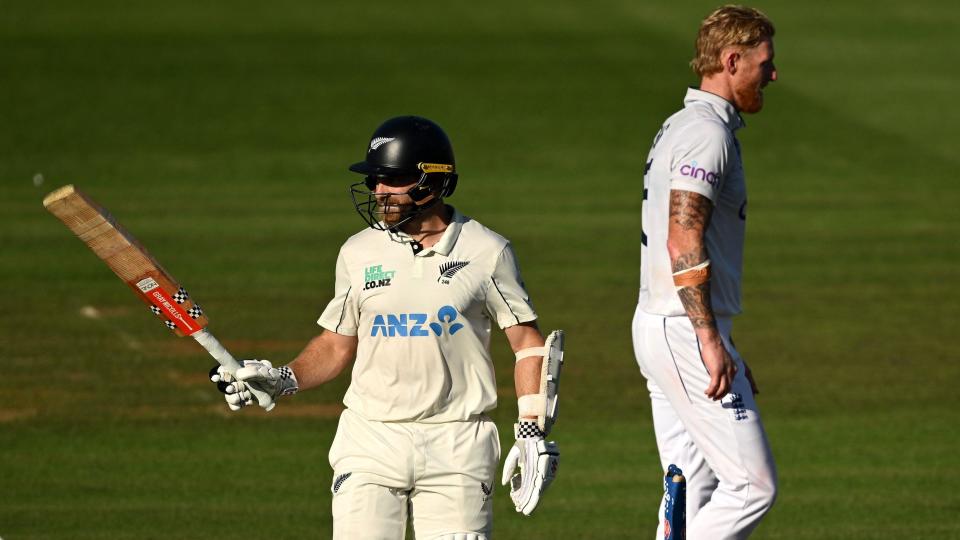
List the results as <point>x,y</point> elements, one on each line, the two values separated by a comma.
<point>448,269</point>
<point>380,141</point>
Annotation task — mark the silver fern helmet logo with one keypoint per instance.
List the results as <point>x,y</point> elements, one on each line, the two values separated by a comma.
<point>380,141</point>
<point>448,269</point>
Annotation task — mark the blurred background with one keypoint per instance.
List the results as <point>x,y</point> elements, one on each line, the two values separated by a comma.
<point>219,134</point>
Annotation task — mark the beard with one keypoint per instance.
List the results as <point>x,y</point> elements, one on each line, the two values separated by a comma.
<point>392,211</point>
<point>748,99</point>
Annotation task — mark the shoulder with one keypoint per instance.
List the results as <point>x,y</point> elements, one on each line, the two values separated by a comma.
<point>699,123</point>
<point>481,236</point>
<point>364,240</point>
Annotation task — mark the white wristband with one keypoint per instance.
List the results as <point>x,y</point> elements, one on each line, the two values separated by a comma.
<point>531,405</point>
<point>527,353</point>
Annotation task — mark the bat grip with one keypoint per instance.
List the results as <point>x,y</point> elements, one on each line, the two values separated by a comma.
<point>216,350</point>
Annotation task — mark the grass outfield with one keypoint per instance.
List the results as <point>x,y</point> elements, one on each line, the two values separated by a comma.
<point>221,136</point>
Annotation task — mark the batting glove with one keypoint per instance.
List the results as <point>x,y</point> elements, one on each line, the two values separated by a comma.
<point>530,466</point>
<point>256,381</point>
<point>236,393</point>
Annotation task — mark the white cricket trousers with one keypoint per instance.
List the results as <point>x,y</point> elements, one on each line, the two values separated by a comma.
<point>440,475</point>
<point>720,445</point>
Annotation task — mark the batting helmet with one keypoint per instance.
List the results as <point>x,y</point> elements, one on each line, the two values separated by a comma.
<point>405,146</point>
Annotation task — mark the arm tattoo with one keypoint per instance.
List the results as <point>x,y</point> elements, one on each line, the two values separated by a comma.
<point>690,212</point>
<point>696,301</point>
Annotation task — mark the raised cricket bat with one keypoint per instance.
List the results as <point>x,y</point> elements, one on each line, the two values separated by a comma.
<point>94,225</point>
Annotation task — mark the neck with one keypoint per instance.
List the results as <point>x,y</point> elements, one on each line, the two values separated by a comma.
<point>428,227</point>
<point>718,85</point>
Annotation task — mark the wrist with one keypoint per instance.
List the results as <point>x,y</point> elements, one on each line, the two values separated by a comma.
<point>707,331</point>
<point>287,384</point>
<point>527,429</point>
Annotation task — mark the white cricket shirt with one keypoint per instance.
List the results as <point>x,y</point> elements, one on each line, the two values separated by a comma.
<point>696,150</point>
<point>423,320</point>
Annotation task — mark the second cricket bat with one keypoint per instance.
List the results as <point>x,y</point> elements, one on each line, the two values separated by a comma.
<point>134,265</point>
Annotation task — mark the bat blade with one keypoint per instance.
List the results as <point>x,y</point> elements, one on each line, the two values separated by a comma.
<point>133,264</point>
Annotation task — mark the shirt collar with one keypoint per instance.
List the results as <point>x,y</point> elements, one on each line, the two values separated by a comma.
<point>724,109</point>
<point>450,235</point>
<point>447,241</point>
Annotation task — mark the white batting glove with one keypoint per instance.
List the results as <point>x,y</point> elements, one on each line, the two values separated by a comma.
<point>265,382</point>
<point>257,381</point>
<point>235,393</point>
<point>537,461</point>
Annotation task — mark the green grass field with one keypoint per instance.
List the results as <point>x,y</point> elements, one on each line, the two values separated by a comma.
<point>220,136</point>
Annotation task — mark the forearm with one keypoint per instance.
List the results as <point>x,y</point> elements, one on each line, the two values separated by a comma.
<point>526,371</point>
<point>696,303</point>
<point>324,357</point>
<point>696,298</point>
<point>526,374</point>
<point>689,217</point>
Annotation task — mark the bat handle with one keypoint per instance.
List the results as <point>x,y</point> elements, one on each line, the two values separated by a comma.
<point>216,350</point>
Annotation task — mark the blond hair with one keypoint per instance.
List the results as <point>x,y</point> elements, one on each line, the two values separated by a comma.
<point>728,26</point>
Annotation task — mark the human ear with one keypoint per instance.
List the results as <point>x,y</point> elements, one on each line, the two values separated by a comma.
<point>730,61</point>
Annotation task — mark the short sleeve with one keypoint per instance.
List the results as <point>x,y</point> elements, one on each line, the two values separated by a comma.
<point>341,314</point>
<point>507,301</point>
<point>700,163</point>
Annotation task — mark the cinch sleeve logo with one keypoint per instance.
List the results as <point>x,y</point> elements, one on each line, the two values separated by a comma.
<point>700,173</point>
<point>415,324</point>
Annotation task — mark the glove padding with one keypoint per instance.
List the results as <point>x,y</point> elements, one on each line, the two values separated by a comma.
<point>256,380</point>
<point>537,461</point>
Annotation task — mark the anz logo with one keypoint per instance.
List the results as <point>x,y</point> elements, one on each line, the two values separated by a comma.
<point>416,325</point>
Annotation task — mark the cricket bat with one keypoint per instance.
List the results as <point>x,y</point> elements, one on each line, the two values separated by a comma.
<point>94,225</point>
<point>675,504</point>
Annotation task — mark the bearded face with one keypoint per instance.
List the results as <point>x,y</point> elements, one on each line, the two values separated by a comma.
<point>755,70</point>
<point>748,98</point>
<point>394,203</point>
<point>392,208</point>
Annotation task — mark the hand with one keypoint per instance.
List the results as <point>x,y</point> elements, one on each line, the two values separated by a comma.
<point>721,367</point>
<point>537,461</point>
<point>265,382</point>
<point>257,379</point>
<point>235,393</point>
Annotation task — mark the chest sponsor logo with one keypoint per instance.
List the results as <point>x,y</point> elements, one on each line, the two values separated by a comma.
<point>416,324</point>
<point>449,269</point>
<point>693,171</point>
<point>375,276</point>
